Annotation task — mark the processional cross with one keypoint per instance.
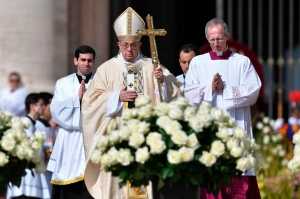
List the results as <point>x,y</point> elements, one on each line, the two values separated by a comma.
<point>151,33</point>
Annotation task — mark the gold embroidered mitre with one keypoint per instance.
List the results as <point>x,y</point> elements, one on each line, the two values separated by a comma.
<point>127,24</point>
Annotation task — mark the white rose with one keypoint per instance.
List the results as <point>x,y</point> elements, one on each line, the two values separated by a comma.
<point>231,122</point>
<point>19,134</point>
<point>133,125</point>
<point>124,157</point>
<point>243,164</point>
<point>112,125</point>
<point>103,142</point>
<point>3,159</point>
<point>196,124</point>
<point>162,109</point>
<point>174,157</point>
<point>163,121</point>
<point>20,152</point>
<point>112,155</point>
<point>259,125</point>
<point>144,112</point>
<point>217,148</point>
<point>186,154</point>
<point>265,120</point>
<point>296,138</point>
<point>179,137</point>
<point>26,123</point>
<point>223,133</point>
<point>266,130</point>
<point>136,139</point>
<point>192,141</point>
<point>113,137</point>
<point>189,112</point>
<point>152,137</point>
<point>134,112</point>
<point>141,101</point>
<point>206,119</point>
<point>40,167</point>
<point>236,152</point>
<point>293,165</point>
<point>266,139</point>
<point>272,122</point>
<point>172,127</point>
<point>239,133</point>
<point>16,122</point>
<point>96,156</point>
<point>281,153</point>
<point>279,136</point>
<point>143,127</point>
<point>181,102</point>
<point>246,143</point>
<point>232,142</point>
<point>124,133</point>
<point>207,159</point>
<point>217,114</point>
<point>204,108</point>
<point>40,135</point>
<point>8,143</point>
<point>252,161</point>
<point>175,114</point>
<point>105,159</point>
<point>36,145</point>
<point>127,114</point>
<point>142,155</point>
<point>157,147</point>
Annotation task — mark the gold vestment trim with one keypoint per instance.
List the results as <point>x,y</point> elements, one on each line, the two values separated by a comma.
<point>137,192</point>
<point>65,182</point>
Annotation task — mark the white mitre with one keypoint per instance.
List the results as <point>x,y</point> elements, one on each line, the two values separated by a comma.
<point>127,24</point>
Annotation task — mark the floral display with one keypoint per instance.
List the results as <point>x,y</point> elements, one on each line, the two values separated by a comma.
<point>17,151</point>
<point>175,141</point>
<point>274,179</point>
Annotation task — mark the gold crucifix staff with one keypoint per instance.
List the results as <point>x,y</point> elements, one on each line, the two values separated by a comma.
<point>151,33</point>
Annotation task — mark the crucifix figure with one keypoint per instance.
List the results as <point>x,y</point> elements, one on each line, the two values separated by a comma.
<point>151,33</point>
<point>130,77</point>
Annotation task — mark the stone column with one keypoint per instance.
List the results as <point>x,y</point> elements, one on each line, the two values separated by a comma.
<point>33,42</point>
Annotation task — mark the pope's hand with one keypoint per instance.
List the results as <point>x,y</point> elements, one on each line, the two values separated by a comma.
<point>158,74</point>
<point>81,89</point>
<point>127,96</point>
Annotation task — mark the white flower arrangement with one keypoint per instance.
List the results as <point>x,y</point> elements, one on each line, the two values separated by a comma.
<point>175,140</point>
<point>18,152</point>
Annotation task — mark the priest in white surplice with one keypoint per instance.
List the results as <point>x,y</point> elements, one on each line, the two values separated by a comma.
<point>226,80</point>
<point>108,95</point>
<point>12,98</point>
<point>67,161</point>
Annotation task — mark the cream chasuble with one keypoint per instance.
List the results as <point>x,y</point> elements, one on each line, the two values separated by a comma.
<point>241,87</point>
<point>101,103</point>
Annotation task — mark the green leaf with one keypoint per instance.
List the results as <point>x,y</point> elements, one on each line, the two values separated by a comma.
<point>138,176</point>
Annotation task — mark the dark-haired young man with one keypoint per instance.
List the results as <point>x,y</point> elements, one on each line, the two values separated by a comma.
<point>32,186</point>
<point>186,54</point>
<point>67,161</point>
<point>43,124</point>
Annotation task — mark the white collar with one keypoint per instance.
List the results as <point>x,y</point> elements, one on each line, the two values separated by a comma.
<point>220,53</point>
<point>136,59</point>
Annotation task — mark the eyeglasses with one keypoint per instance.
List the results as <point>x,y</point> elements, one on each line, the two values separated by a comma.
<point>14,80</point>
<point>132,45</point>
<point>216,40</point>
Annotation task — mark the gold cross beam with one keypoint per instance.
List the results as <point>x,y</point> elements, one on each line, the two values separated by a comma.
<point>151,33</point>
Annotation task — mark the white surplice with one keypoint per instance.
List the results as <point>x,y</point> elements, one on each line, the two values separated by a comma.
<point>31,185</point>
<point>44,126</point>
<point>181,78</point>
<point>67,161</point>
<point>13,102</point>
<point>241,87</point>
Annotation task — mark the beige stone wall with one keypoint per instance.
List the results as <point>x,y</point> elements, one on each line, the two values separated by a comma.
<point>38,38</point>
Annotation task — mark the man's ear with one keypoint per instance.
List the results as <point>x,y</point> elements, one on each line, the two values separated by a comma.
<point>75,61</point>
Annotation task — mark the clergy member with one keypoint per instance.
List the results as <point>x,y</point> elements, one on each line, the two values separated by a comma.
<point>67,161</point>
<point>117,83</point>
<point>12,98</point>
<point>186,54</point>
<point>226,80</point>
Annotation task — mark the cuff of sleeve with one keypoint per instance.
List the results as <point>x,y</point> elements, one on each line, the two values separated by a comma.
<point>113,104</point>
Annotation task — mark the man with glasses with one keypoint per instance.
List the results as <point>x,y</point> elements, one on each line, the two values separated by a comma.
<point>226,80</point>
<point>13,97</point>
<point>110,92</point>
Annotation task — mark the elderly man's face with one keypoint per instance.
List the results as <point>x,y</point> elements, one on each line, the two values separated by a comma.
<point>216,38</point>
<point>129,49</point>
